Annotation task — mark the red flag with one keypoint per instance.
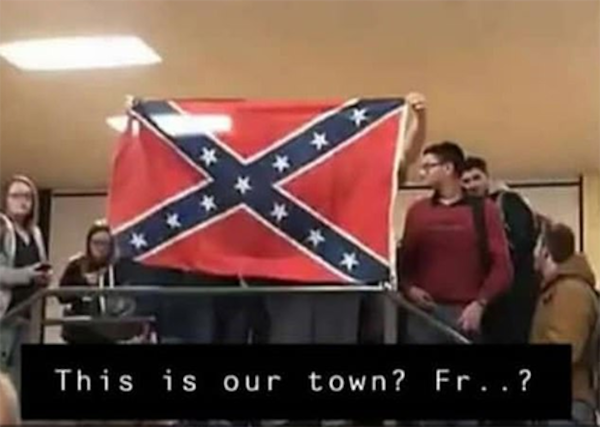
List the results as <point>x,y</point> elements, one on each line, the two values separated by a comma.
<point>286,190</point>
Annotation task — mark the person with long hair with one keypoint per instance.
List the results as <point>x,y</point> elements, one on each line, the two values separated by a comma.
<point>97,266</point>
<point>86,269</point>
<point>24,267</point>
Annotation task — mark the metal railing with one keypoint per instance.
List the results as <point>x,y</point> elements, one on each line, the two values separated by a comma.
<point>37,321</point>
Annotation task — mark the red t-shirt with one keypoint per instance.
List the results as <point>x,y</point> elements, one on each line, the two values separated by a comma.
<point>440,252</point>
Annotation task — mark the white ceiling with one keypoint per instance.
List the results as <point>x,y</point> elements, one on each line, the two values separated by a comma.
<point>515,81</point>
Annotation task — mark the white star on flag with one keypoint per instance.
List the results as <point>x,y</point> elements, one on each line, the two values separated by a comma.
<point>281,163</point>
<point>173,221</point>
<point>319,140</point>
<point>279,212</point>
<point>349,261</point>
<point>209,156</point>
<point>208,203</point>
<point>359,115</point>
<point>315,237</point>
<point>138,240</point>
<point>243,185</point>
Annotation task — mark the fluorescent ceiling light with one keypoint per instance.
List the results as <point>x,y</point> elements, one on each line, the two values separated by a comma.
<point>78,53</point>
<point>181,125</point>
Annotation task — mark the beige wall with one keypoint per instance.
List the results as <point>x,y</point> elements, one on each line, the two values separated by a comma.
<point>496,74</point>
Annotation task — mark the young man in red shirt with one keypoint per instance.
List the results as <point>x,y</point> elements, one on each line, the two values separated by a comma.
<point>442,268</point>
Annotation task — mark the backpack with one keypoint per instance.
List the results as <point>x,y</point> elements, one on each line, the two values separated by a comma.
<point>477,210</point>
<point>492,322</point>
<point>477,207</point>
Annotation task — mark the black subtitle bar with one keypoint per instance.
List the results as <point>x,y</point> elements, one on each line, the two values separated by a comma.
<point>295,382</point>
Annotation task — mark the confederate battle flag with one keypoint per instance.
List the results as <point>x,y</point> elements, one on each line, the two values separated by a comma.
<point>298,191</point>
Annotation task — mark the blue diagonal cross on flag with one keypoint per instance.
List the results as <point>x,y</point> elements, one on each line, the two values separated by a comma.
<point>257,185</point>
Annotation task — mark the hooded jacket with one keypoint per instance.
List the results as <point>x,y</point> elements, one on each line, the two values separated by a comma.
<point>81,264</point>
<point>11,277</point>
<point>566,313</point>
<point>112,272</point>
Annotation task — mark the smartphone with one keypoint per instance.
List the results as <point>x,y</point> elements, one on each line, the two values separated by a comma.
<point>44,267</point>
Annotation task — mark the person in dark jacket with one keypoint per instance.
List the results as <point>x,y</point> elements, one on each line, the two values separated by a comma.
<point>508,319</point>
<point>85,269</point>
<point>96,266</point>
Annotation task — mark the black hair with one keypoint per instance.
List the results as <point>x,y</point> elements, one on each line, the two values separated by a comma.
<point>448,152</point>
<point>473,162</point>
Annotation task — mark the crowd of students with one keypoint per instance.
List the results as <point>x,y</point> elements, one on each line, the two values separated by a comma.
<point>474,254</point>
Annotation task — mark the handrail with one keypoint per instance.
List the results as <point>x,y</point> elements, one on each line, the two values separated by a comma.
<point>399,300</point>
<point>88,320</point>
<point>23,306</point>
<point>175,290</point>
<point>394,296</point>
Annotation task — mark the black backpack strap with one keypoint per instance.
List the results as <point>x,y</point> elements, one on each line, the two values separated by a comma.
<point>477,208</point>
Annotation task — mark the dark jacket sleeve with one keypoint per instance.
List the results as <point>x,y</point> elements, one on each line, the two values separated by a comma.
<point>520,227</point>
<point>71,277</point>
<point>501,273</point>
